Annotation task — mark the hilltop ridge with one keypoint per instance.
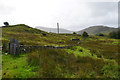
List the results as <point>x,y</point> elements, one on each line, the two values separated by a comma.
<point>98,29</point>
<point>22,28</point>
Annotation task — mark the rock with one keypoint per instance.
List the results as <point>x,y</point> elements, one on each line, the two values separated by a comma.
<point>99,56</point>
<point>6,53</point>
<point>4,73</point>
<point>81,50</point>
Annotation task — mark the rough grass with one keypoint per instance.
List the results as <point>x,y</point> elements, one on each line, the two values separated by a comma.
<point>94,57</point>
<point>60,64</point>
<point>79,51</point>
<point>31,36</point>
<point>16,67</point>
<point>102,47</point>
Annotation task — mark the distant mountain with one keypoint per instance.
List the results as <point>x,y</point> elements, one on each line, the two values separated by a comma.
<point>98,29</point>
<point>54,30</point>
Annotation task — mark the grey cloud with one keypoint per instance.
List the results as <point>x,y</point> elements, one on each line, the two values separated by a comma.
<point>103,8</point>
<point>105,13</point>
<point>6,10</point>
<point>70,14</point>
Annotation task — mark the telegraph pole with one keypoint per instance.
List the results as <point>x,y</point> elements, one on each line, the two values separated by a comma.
<point>58,33</point>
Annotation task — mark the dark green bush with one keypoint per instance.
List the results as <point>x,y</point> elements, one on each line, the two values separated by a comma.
<point>85,34</point>
<point>115,35</point>
<point>6,23</point>
<point>74,32</point>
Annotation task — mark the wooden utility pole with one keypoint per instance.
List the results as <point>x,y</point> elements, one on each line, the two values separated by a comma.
<point>58,33</point>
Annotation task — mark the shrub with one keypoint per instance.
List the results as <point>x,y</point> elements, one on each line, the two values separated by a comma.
<point>6,23</point>
<point>85,34</point>
<point>74,32</point>
<point>115,35</point>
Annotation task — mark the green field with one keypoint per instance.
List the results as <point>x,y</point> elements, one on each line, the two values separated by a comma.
<point>93,57</point>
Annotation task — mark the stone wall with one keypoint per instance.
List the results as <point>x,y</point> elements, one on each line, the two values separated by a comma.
<point>27,49</point>
<point>15,48</point>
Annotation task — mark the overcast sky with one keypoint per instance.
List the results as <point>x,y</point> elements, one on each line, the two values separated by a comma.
<point>71,14</point>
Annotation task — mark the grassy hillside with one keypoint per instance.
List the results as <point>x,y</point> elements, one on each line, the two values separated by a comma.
<point>32,36</point>
<point>98,29</point>
<point>94,57</point>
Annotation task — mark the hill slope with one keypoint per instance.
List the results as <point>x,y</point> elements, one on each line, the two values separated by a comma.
<point>32,36</point>
<point>21,28</point>
<point>89,59</point>
<point>98,29</point>
<point>54,30</point>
